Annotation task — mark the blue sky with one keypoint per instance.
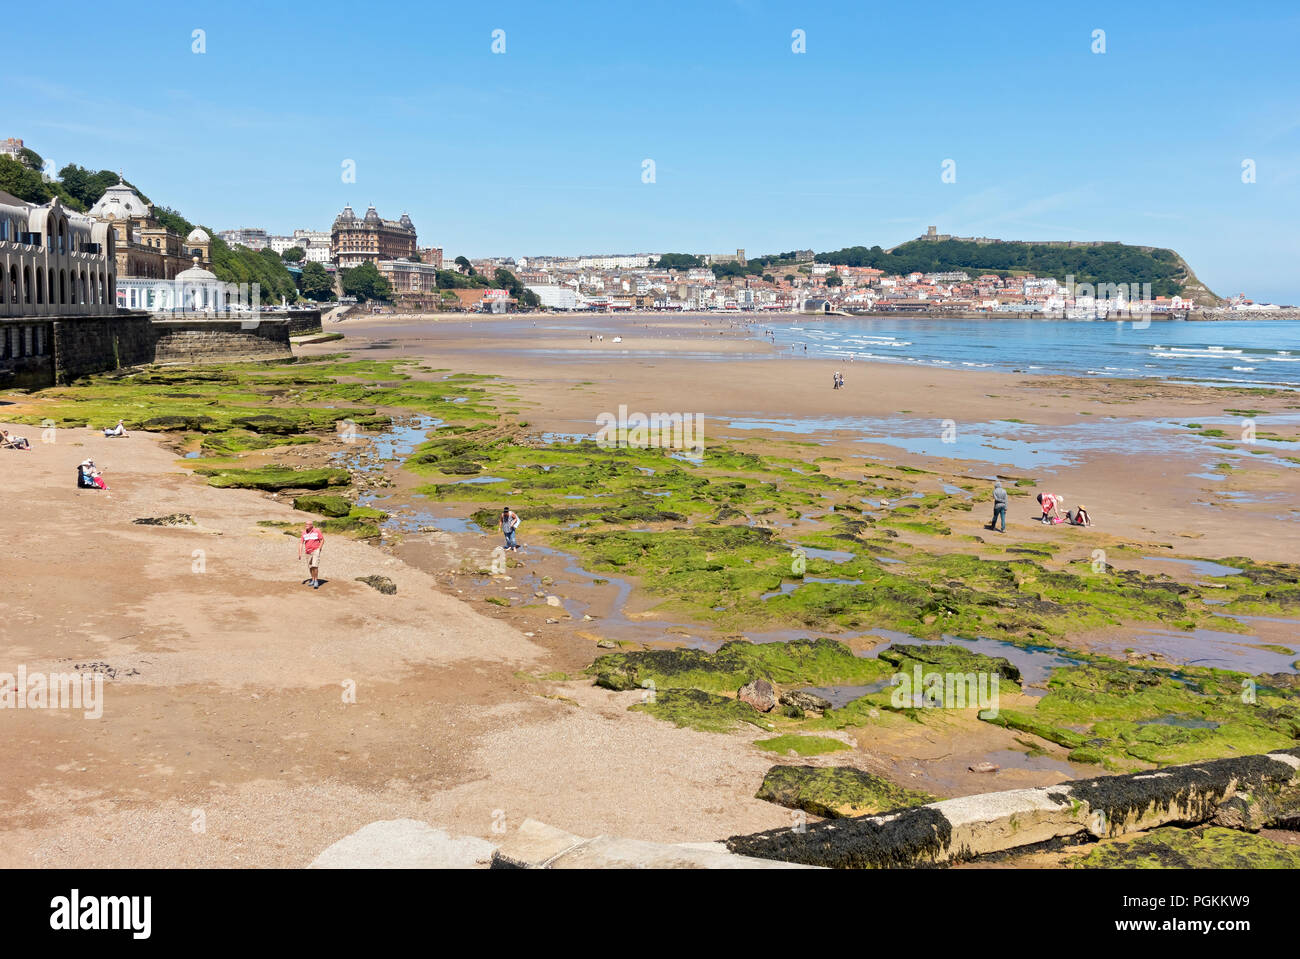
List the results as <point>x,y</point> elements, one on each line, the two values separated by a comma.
<point>541,149</point>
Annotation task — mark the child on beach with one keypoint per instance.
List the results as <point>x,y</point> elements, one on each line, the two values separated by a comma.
<point>118,430</point>
<point>509,523</point>
<point>311,543</point>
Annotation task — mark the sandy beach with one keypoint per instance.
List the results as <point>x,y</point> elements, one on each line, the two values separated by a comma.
<point>228,738</point>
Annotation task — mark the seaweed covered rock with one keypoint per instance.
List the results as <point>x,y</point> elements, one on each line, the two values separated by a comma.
<point>800,661</point>
<point>322,503</point>
<point>197,424</point>
<point>171,519</point>
<point>273,478</point>
<point>949,658</point>
<point>803,700</point>
<point>381,583</point>
<point>696,709</point>
<point>1209,848</point>
<point>836,791</point>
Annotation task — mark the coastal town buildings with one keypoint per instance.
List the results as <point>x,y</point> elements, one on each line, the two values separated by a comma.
<point>315,244</point>
<point>355,240</point>
<point>414,284</point>
<point>252,238</point>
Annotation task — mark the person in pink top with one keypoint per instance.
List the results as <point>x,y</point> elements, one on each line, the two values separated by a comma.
<point>1051,504</point>
<point>311,543</point>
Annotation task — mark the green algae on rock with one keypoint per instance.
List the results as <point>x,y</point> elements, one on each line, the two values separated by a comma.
<point>1210,848</point>
<point>802,745</point>
<point>836,791</point>
<point>323,503</point>
<point>805,662</point>
<point>696,709</point>
<point>949,657</point>
<point>275,478</point>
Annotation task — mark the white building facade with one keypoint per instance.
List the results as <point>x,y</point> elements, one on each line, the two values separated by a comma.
<point>54,261</point>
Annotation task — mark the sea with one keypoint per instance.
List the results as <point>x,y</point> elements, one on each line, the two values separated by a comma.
<point>1219,352</point>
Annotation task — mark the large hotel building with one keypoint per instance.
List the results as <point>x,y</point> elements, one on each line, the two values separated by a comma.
<point>355,240</point>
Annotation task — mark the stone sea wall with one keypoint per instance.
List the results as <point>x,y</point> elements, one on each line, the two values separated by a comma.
<point>201,340</point>
<point>36,352</point>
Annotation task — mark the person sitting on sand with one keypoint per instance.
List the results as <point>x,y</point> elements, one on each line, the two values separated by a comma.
<point>311,542</point>
<point>11,442</point>
<point>91,475</point>
<point>1051,504</point>
<point>1079,517</point>
<point>118,430</point>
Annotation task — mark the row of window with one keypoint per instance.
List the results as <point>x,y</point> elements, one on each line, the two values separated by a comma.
<point>17,342</point>
<point>79,288</point>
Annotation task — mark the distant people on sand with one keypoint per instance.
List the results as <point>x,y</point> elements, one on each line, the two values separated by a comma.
<point>509,523</point>
<point>12,442</point>
<point>118,430</point>
<point>311,543</point>
<point>89,476</point>
<point>999,520</point>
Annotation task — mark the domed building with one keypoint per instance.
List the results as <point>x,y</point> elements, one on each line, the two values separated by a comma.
<point>145,248</point>
<point>355,240</point>
<point>195,290</point>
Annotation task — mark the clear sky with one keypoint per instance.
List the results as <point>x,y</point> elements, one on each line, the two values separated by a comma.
<point>540,149</point>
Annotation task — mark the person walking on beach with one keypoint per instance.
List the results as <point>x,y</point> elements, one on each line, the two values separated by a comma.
<point>509,523</point>
<point>999,508</point>
<point>311,543</point>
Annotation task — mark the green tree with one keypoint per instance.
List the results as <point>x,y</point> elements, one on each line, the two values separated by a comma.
<point>173,220</point>
<point>31,159</point>
<point>834,280</point>
<point>86,186</point>
<point>678,261</point>
<point>23,182</point>
<point>293,255</point>
<point>316,283</point>
<point>365,283</point>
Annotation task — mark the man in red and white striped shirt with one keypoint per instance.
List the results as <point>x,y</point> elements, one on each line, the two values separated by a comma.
<point>311,543</point>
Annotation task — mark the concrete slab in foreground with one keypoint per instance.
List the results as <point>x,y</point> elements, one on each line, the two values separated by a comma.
<point>410,844</point>
<point>535,845</point>
<point>404,844</point>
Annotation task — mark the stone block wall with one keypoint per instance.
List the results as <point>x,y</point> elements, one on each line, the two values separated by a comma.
<point>209,341</point>
<point>36,352</point>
